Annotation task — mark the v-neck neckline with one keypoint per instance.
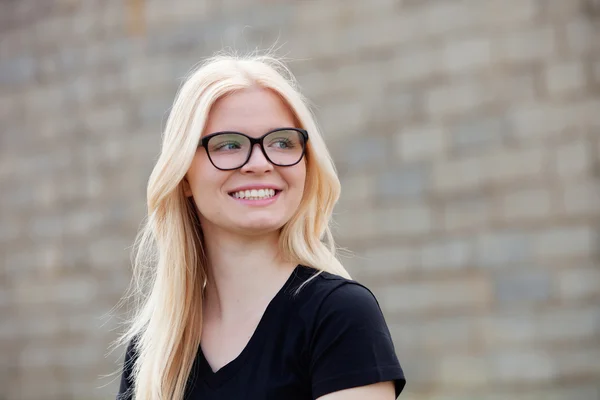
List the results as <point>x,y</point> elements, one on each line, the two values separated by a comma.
<point>226,372</point>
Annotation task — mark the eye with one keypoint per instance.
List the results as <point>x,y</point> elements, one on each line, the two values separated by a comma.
<point>224,146</point>
<point>282,143</point>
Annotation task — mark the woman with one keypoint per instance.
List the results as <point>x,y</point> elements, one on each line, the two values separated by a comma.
<point>244,299</point>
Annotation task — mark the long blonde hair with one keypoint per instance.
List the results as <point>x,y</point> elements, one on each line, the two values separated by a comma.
<point>169,261</point>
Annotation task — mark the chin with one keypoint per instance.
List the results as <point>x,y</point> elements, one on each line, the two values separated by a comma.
<point>260,226</point>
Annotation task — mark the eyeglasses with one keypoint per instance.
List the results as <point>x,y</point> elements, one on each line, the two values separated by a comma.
<point>283,147</point>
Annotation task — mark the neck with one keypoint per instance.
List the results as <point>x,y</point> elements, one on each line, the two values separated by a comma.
<point>243,272</point>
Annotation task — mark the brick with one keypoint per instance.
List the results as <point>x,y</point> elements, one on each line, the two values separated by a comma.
<point>580,363</point>
<point>19,263</point>
<point>463,371</point>
<point>362,152</point>
<point>17,71</point>
<point>391,29</point>
<point>342,120</point>
<point>513,165</point>
<point>421,143</point>
<point>107,88</point>
<point>565,78</point>
<point>32,356</point>
<point>523,287</point>
<point>355,225</point>
<point>157,13</point>
<point>5,298</point>
<point>45,100</point>
<point>519,46</point>
<point>467,213</point>
<point>76,91</point>
<point>87,24</point>
<point>357,190</point>
<point>582,198</point>
<point>443,17</point>
<point>79,355</point>
<point>447,254</point>
<point>313,13</point>
<point>41,325</point>
<point>402,103</point>
<point>154,112</point>
<point>568,325</point>
<point>70,291</point>
<point>403,181</point>
<point>8,107</point>
<point>456,98</point>
<point>545,120</point>
<point>50,260</point>
<point>70,59</point>
<point>515,87</point>
<point>424,372</point>
<point>478,134</point>
<point>393,259</point>
<point>459,333</point>
<point>451,176</point>
<point>596,72</point>
<point>508,329</point>
<point>421,297</point>
<point>417,64</point>
<point>503,13</point>
<point>573,159</point>
<point>108,120</point>
<point>140,77</point>
<point>581,36</point>
<point>579,282</point>
<point>403,220</point>
<point>406,335</point>
<point>48,67</point>
<point>10,229</point>
<point>522,366</point>
<point>109,252</point>
<point>467,54</point>
<point>527,204</point>
<point>9,329</point>
<point>502,248</point>
<point>576,241</point>
<point>561,10</point>
<point>322,43</point>
<point>537,121</point>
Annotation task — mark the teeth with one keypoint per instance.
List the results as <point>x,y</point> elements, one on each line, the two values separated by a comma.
<point>254,194</point>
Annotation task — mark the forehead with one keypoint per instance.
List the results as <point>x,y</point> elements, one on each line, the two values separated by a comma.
<point>253,111</point>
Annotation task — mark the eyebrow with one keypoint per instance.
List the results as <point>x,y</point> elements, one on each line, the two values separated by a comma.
<point>262,132</point>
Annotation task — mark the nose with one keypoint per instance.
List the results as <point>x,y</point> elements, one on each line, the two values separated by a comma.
<point>257,163</point>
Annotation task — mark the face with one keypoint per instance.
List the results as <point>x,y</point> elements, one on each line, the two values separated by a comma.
<point>225,199</point>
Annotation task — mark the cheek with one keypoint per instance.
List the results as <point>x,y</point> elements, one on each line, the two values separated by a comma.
<point>204,179</point>
<point>296,176</point>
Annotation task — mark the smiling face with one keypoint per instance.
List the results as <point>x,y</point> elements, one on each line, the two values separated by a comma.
<point>259,197</point>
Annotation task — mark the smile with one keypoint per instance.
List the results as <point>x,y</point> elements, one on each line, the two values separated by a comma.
<point>255,194</point>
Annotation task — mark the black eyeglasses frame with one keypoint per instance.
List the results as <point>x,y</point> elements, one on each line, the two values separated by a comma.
<point>253,142</point>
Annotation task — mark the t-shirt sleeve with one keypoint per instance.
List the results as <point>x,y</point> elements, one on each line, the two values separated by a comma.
<point>351,344</point>
<point>126,385</point>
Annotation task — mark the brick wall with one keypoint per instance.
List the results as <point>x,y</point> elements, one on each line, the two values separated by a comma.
<point>467,138</point>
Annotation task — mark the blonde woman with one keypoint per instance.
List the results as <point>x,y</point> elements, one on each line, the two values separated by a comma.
<point>244,299</point>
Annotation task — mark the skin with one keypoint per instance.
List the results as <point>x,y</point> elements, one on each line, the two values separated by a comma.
<point>245,269</point>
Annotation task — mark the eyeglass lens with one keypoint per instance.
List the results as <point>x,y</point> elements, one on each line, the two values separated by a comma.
<point>231,150</point>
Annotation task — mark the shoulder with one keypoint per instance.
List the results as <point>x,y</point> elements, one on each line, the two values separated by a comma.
<point>348,341</point>
<point>324,294</point>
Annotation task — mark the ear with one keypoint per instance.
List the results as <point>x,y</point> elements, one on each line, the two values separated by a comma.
<point>187,190</point>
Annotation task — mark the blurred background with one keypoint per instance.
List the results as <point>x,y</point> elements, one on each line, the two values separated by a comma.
<point>467,138</point>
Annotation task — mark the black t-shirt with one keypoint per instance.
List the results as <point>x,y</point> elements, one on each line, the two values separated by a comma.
<point>330,336</point>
